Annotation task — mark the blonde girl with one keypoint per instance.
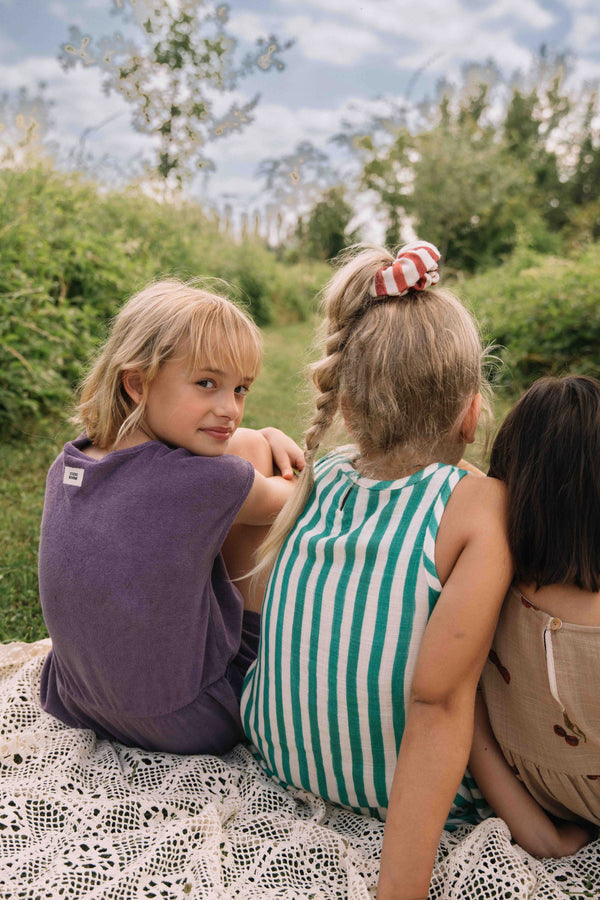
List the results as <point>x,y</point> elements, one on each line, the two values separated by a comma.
<point>150,639</point>
<point>389,568</point>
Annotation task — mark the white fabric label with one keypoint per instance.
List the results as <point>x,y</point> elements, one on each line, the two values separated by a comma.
<point>73,476</point>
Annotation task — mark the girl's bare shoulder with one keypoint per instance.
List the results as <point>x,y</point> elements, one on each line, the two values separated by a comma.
<point>475,516</point>
<point>479,497</point>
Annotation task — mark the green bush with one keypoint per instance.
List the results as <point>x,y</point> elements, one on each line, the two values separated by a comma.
<point>42,344</point>
<point>71,254</point>
<point>543,312</point>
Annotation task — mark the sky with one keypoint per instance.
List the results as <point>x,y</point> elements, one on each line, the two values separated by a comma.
<point>348,57</point>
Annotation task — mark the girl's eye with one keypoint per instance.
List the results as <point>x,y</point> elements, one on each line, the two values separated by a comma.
<point>206,383</point>
<point>242,389</point>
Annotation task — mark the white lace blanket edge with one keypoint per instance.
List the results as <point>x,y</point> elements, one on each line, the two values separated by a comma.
<point>82,817</point>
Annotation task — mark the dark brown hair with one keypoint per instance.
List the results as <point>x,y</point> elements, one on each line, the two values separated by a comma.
<point>548,454</point>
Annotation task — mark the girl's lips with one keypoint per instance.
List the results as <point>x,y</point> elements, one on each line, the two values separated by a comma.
<point>219,434</point>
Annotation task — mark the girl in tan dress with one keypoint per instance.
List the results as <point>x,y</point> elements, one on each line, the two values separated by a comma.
<point>541,681</point>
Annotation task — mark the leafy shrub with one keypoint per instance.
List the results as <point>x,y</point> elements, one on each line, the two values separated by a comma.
<point>41,345</point>
<point>543,312</point>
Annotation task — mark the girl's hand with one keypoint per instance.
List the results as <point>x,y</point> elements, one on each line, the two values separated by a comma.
<point>469,467</point>
<point>287,455</point>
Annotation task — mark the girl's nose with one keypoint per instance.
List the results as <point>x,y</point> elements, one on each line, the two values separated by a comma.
<point>226,404</point>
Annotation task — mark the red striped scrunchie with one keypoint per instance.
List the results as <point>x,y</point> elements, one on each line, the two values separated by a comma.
<point>415,267</point>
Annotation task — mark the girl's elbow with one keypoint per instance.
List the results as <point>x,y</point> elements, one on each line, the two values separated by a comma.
<point>441,699</point>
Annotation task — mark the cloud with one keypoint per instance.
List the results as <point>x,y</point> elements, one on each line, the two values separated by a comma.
<point>276,132</point>
<point>423,19</point>
<point>585,31</point>
<point>585,71</point>
<point>322,40</point>
<point>7,46</point>
<point>443,56</point>
<point>277,129</point>
<point>68,16</point>
<point>59,10</point>
<point>28,72</point>
<point>426,34</point>
<point>248,26</point>
<point>528,11</point>
<point>429,22</point>
<point>330,42</point>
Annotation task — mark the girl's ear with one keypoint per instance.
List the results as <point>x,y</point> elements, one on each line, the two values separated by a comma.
<point>470,419</point>
<point>133,382</point>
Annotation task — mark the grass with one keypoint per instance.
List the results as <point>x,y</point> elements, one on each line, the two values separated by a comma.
<point>23,465</point>
<point>281,396</point>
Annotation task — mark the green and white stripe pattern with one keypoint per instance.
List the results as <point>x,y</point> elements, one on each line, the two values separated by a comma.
<point>344,615</point>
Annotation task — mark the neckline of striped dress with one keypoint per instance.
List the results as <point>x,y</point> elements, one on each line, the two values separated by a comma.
<point>346,467</point>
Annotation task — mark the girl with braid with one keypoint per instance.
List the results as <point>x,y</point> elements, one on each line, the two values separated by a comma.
<point>389,568</point>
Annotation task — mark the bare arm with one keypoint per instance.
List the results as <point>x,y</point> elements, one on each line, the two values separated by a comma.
<point>439,726</point>
<point>269,491</point>
<point>529,825</point>
<point>265,500</point>
<point>269,450</point>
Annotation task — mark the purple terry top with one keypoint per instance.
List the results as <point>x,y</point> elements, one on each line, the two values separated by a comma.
<point>149,639</point>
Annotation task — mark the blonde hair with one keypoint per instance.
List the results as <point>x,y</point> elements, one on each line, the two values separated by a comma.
<point>163,319</point>
<point>403,369</point>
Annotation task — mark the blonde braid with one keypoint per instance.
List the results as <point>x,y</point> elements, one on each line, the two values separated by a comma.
<point>345,298</point>
<point>325,376</point>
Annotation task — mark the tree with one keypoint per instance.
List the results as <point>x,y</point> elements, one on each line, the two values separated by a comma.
<point>453,180</point>
<point>296,179</point>
<point>170,74</point>
<point>585,182</point>
<point>324,231</point>
<point>466,193</point>
<point>491,163</point>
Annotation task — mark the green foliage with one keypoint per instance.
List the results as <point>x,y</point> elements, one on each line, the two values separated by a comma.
<point>486,162</point>
<point>466,194</point>
<point>70,256</point>
<point>542,312</point>
<point>25,119</point>
<point>23,467</point>
<point>323,233</point>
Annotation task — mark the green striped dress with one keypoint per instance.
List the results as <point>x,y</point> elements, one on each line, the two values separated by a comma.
<point>344,615</point>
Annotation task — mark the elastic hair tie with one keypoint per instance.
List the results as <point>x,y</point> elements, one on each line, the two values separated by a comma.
<point>415,268</point>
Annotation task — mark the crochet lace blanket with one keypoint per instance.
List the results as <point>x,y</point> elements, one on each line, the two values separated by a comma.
<point>82,817</point>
